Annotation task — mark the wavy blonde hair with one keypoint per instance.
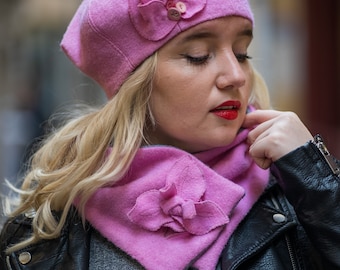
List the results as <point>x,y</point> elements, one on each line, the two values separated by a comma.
<point>73,162</point>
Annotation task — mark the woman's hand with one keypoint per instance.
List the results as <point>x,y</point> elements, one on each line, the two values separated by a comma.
<point>275,134</point>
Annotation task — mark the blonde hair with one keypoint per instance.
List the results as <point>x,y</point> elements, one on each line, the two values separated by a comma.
<point>259,98</point>
<point>74,161</point>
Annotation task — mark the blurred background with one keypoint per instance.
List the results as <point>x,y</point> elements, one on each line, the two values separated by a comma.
<point>296,49</point>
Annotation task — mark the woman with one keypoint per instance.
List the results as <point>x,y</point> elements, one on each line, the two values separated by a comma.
<point>182,168</point>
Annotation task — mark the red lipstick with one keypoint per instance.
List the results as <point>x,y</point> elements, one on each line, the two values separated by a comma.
<point>228,110</point>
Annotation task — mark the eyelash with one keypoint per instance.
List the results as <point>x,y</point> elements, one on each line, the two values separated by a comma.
<point>202,60</point>
<point>242,57</point>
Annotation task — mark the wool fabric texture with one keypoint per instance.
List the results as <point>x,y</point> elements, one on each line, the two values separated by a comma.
<point>173,209</point>
<point>108,39</point>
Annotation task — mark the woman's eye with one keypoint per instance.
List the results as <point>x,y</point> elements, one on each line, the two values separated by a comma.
<point>242,57</point>
<point>197,60</point>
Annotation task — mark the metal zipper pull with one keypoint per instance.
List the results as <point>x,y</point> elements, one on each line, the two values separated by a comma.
<point>319,143</point>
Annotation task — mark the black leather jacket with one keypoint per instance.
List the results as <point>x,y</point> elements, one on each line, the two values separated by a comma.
<point>294,225</point>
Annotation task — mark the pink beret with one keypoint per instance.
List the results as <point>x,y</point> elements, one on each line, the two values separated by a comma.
<point>108,39</point>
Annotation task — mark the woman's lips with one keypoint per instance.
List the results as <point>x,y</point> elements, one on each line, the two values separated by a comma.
<point>228,110</point>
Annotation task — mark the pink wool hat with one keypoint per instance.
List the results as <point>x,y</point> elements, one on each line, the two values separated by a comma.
<point>108,39</point>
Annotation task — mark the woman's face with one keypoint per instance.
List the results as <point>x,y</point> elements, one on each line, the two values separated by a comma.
<point>202,86</point>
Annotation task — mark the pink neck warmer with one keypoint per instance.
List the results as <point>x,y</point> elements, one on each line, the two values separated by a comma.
<point>173,209</point>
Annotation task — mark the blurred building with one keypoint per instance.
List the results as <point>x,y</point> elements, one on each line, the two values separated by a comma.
<point>36,77</point>
<point>296,48</point>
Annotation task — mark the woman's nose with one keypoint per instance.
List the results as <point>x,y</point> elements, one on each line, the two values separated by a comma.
<point>231,74</point>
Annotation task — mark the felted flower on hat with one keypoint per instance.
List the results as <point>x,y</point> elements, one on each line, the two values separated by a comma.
<point>155,19</point>
<point>180,205</point>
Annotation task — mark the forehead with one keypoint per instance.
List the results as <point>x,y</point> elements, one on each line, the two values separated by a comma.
<point>232,26</point>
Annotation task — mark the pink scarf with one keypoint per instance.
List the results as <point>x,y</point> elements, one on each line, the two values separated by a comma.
<point>174,209</point>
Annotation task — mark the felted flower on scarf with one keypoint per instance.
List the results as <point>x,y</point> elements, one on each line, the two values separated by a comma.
<point>180,205</point>
<point>154,19</point>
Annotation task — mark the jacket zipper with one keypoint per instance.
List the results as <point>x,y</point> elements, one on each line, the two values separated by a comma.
<point>290,251</point>
<point>287,238</point>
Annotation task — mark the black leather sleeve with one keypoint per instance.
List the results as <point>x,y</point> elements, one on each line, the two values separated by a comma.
<point>314,191</point>
<point>69,251</point>
<point>14,230</point>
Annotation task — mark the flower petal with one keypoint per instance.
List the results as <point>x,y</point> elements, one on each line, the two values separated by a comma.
<point>180,205</point>
<point>209,216</point>
<point>193,7</point>
<point>147,212</point>
<point>151,20</point>
<point>188,178</point>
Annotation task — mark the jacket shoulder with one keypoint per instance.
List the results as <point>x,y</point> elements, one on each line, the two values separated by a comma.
<point>45,254</point>
<point>271,237</point>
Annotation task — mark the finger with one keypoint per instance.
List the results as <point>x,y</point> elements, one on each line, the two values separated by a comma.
<point>260,116</point>
<point>263,163</point>
<point>260,131</point>
<point>258,151</point>
<point>272,140</point>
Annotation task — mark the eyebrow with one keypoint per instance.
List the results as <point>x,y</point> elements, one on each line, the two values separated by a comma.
<point>205,34</point>
<point>247,32</point>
